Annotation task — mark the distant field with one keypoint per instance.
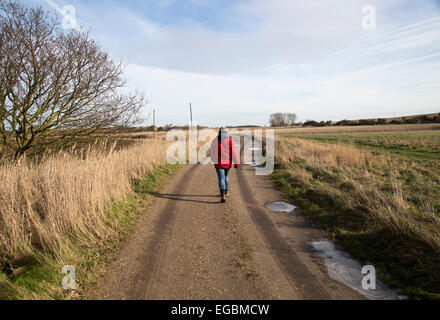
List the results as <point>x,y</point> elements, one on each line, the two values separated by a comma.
<point>422,145</point>
<point>371,128</point>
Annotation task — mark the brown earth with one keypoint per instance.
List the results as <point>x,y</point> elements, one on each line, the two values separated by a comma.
<point>188,245</point>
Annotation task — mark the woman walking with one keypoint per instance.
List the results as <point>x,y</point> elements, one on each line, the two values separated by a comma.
<point>224,155</point>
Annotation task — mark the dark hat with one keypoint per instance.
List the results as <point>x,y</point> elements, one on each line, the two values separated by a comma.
<point>223,130</point>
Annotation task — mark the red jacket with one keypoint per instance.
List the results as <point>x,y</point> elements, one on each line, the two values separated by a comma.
<point>223,152</point>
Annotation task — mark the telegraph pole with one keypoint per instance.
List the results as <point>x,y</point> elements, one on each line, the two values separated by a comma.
<point>191,113</point>
<point>154,122</point>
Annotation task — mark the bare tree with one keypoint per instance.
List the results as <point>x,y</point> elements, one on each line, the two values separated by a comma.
<point>282,119</point>
<point>276,119</point>
<point>290,118</point>
<point>56,85</point>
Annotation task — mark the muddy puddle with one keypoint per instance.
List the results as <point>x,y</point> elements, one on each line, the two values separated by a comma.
<point>348,271</point>
<point>281,207</point>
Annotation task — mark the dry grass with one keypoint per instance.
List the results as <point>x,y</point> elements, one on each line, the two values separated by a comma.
<point>359,169</point>
<point>386,206</point>
<point>66,195</point>
<point>342,129</point>
<point>141,135</point>
<point>318,154</point>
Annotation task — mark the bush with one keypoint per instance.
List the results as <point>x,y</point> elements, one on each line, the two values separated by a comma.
<point>310,123</point>
<point>365,122</point>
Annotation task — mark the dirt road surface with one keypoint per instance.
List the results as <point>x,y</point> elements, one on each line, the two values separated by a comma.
<point>188,245</point>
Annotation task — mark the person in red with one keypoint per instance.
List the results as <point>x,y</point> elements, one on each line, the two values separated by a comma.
<point>224,155</point>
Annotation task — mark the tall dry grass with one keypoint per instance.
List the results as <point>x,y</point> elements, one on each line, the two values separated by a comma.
<point>382,209</point>
<point>358,178</point>
<point>65,195</point>
<point>319,154</point>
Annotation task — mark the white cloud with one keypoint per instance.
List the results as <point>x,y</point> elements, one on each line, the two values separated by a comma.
<point>237,99</point>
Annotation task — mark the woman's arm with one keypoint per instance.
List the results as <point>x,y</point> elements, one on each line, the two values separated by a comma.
<point>233,150</point>
<point>214,151</point>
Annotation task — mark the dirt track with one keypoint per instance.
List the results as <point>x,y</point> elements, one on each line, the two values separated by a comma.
<point>187,245</point>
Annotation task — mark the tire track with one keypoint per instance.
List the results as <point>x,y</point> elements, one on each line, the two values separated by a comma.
<point>148,259</point>
<point>288,261</point>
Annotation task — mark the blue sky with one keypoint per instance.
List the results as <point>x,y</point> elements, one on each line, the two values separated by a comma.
<point>239,61</point>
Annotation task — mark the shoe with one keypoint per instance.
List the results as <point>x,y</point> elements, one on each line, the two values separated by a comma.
<point>222,200</point>
<point>227,194</point>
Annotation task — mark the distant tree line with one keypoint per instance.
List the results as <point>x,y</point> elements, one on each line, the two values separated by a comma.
<point>432,118</point>
<point>313,123</point>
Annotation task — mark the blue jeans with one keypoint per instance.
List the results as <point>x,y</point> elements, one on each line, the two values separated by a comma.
<point>223,179</point>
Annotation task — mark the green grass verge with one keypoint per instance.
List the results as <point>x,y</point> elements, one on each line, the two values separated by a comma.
<point>40,276</point>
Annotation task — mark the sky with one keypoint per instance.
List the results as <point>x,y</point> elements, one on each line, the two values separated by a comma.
<point>238,61</point>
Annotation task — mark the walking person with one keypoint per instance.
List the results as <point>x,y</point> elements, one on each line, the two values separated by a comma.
<point>224,155</point>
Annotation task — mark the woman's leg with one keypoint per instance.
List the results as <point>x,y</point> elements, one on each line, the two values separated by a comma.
<point>221,179</point>
<point>227,179</point>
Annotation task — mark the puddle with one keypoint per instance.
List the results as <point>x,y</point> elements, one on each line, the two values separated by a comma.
<point>281,207</point>
<point>255,164</point>
<point>348,271</point>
